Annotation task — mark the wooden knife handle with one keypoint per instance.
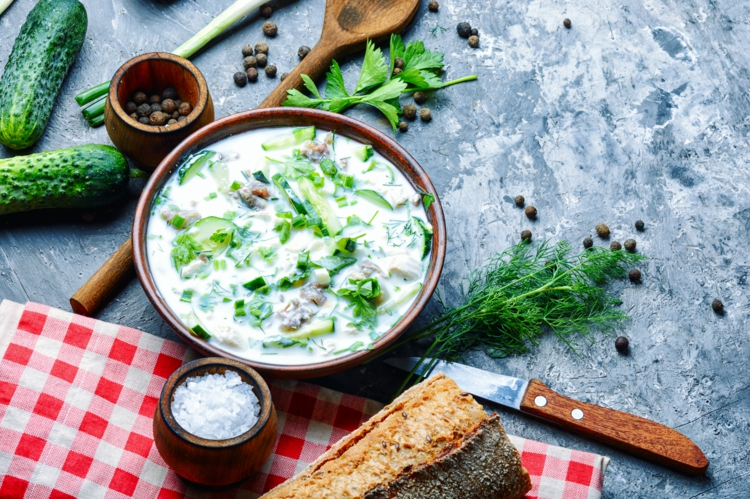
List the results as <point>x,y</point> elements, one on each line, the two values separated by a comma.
<point>116,271</point>
<point>633,434</point>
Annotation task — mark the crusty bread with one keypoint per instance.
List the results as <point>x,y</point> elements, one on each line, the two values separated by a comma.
<point>434,441</point>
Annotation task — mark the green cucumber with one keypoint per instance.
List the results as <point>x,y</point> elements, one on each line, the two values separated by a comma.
<point>425,233</point>
<point>289,194</point>
<point>194,164</point>
<point>319,328</point>
<point>204,232</point>
<point>298,136</point>
<point>364,153</point>
<point>42,54</point>
<point>375,197</point>
<point>399,300</point>
<point>77,177</point>
<point>255,284</point>
<point>321,205</point>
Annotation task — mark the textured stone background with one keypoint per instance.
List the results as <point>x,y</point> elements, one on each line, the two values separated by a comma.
<point>639,111</point>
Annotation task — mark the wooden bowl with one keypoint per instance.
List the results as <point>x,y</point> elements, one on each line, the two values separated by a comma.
<point>214,463</point>
<point>151,73</point>
<point>264,118</point>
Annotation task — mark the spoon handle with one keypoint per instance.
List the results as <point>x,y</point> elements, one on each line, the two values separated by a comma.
<point>115,272</point>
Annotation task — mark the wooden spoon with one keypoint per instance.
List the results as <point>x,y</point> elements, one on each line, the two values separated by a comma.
<point>347,25</point>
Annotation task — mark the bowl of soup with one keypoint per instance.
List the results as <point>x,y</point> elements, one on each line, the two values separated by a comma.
<point>299,242</point>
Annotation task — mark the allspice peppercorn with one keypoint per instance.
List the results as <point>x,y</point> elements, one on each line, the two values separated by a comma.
<point>134,116</point>
<point>261,48</point>
<point>433,6</point>
<point>266,10</point>
<point>634,276</point>
<point>154,99</point>
<point>172,122</point>
<point>567,23</point>
<point>303,51</point>
<point>168,106</point>
<point>403,127</point>
<point>463,29</point>
<point>473,41</point>
<point>530,212</point>
<point>399,63</point>
<point>270,29</point>
<point>410,111</point>
<point>622,344</point>
<point>602,231</point>
<point>615,246</point>
<point>140,98</point>
<point>155,107</point>
<point>143,110</point>
<point>169,93</point>
<point>588,242</point>
<point>425,114</point>
<point>718,306</point>
<point>130,107</point>
<point>185,108</point>
<point>247,50</point>
<point>261,59</point>
<point>630,245</point>
<point>249,62</point>
<point>158,118</point>
<point>519,201</point>
<point>526,235</point>
<point>397,71</point>
<point>240,79</point>
<point>419,97</point>
<point>639,225</point>
<point>144,120</point>
<point>252,75</point>
<point>271,71</point>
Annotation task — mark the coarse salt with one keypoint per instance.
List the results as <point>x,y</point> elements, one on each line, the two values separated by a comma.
<point>215,406</point>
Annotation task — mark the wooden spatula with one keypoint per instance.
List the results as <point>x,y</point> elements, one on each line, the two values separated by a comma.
<point>346,27</point>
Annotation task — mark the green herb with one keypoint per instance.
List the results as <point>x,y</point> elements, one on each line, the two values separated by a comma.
<point>523,291</point>
<point>284,228</point>
<point>267,253</point>
<point>436,28</point>
<point>359,293</point>
<point>334,264</point>
<point>184,250</point>
<point>351,348</point>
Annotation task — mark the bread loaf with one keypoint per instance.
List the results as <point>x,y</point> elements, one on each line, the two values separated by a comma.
<point>434,441</point>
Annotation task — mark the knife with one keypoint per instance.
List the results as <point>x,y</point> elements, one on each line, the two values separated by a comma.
<point>633,434</point>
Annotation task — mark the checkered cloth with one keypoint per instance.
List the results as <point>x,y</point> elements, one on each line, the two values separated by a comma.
<point>77,397</point>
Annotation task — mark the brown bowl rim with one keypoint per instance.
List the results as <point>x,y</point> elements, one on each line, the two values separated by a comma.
<point>114,86</point>
<point>186,371</point>
<point>325,120</point>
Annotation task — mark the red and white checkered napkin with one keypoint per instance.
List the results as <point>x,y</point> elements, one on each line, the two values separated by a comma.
<point>77,398</point>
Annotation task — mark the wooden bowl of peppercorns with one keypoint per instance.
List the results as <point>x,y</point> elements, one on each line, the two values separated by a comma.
<point>154,80</point>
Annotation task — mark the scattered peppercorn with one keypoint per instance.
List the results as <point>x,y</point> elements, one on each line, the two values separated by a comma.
<point>399,63</point>
<point>270,29</point>
<point>526,235</point>
<point>639,225</point>
<point>168,106</point>
<point>419,97</point>
<point>154,99</point>
<point>630,245</point>
<point>249,62</point>
<point>634,276</point>
<point>303,51</point>
<point>588,242</point>
<point>266,10</point>
<point>425,114</point>
<point>530,212</point>
<point>261,59</point>
<point>158,118</point>
<point>185,108</point>
<point>433,6</point>
<point>474,32</point>
<point>473,41</point>
<point>247,50</point>
<point>143,110</point>
<point>567,23</point>
<point>252,75</point>
<point>397,71</point>
<point>139,98</point>
<point>403,127</point>
<point>261,48</point>
<point>271,71</point>
<point>464,30</point>
<point>283,76</point>
<point>155,107</point>
<point>410,111</point>
<point>169,93</point>
<point>622,344</point>
<point>602,231</point>
<point>718,306</point>
<point>240,79</point>
<point>171,121</point>
<point>144,120</point>
<point>615,246</point>
<point>519,201</point>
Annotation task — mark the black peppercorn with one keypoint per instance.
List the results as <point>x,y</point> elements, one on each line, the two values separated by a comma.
<point>270,29</point>
<point>602,231</point>
<point>271,71</point>
<point>567,23</point>
<point>718,306</point>
<point>139,98</point>
<point>252,75</point>
<point>425,114</point>
<point>181,118</point>
<point>639,225</point>
<point>399,63</point>
<point>154,99</point>
<point>130,107</point>
<point>403,127</point>
<point>169,93</point>
<point>530,212</point>
<point>177,102</point>
<point>464,30</point>
<point>155,107</point>
<point>176,115</point>
<point>283,76</point>
<point>168,106</point>
<point>397,71</point>
<point>526,235</point>
<point>519,201</point>
<point>240,79</point>
<point>266,10</point>
<point>433,6</point>
<point>134,116</point>
<point>261,59</point>
<point>143,110</point>
<point>622,344</point>
<point>474,32</point>
<point>303,51</point>
<point>185,108</point>
<point>615,246</point>
<point>588,242</point>
<point>473,41</point>
<point>630,245</point>
<point>634,276</point>
<point>261,48</point>
<point>158,118</point>
<point>144,120</point>
<point>172,121</point>
<point>419,97</point>
<point>410,111</point>
<point>247,50</point>
<point>249,62</point>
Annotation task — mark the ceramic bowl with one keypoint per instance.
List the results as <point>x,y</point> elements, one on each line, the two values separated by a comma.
<point>214,463</point>
<point>147,145</point>
<point>264,118</point>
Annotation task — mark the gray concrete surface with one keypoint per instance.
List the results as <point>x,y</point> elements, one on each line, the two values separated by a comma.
<point>639,111</point>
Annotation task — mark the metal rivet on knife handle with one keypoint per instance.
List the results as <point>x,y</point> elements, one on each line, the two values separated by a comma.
<point>540,401</point>
<point>577,414</point>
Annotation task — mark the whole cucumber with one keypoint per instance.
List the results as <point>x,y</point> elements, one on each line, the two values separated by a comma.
<point>76,177</point>
<point>42,54</point>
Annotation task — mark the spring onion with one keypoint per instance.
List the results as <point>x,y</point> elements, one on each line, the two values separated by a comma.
<point>4,4</point>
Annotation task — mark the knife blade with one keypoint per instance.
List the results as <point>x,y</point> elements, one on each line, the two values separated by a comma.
<point>628,432</point>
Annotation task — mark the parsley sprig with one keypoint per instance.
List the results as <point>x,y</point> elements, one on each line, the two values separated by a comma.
<point>377,86</point>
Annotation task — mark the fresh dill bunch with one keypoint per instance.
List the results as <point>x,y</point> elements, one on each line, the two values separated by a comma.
<point>508,303</point>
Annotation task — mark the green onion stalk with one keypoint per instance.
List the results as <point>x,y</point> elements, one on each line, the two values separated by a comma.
<point>97,95</point>
<point>4,4</point>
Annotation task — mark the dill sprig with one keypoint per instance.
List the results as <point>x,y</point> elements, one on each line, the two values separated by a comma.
<point>508,303</point>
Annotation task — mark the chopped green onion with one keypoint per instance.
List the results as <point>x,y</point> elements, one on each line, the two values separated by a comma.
<point>303,260</point>
<point>255,284</point>
<point>200,332</point>
<point>328,167</point>
<point>211,195</point>
<point>299,222</point>
<point>235,186</point>
<point>187,296</point>
<point>94,109</point>
<point>347,180</point>
<point>341,201</point>
<point>178,222</point>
